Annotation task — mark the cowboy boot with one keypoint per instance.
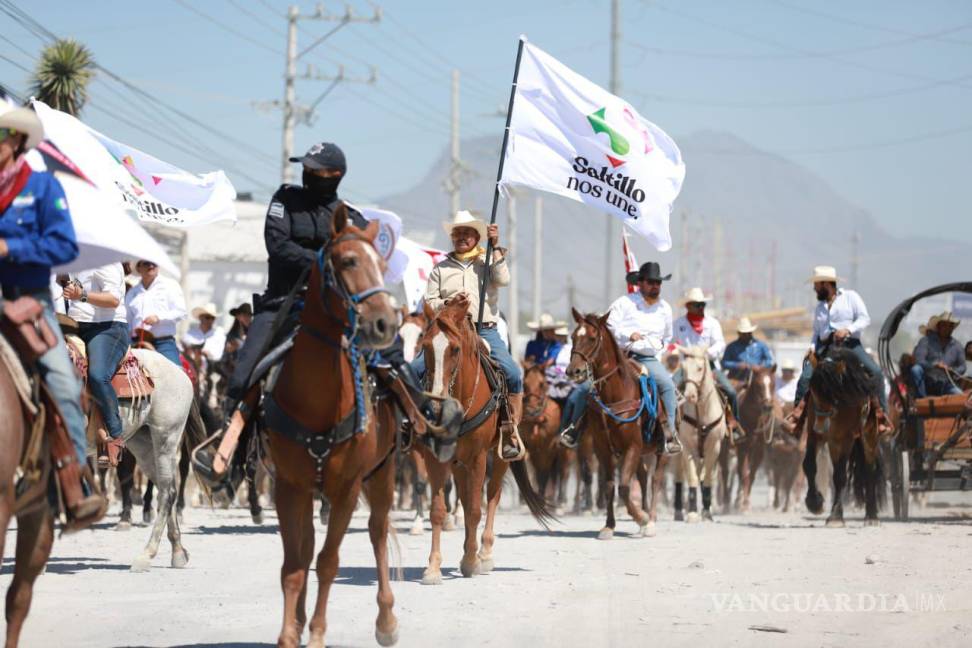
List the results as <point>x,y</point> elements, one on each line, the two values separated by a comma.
<point>679,514</point>
<point>792,420</point>
<point>735,429</point>
<point>511,445</point>
<point>83,510</point>
<point>672,444</point>
<point>707,503</point>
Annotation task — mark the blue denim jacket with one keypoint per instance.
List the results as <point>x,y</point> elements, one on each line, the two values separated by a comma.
<point>39,233</point>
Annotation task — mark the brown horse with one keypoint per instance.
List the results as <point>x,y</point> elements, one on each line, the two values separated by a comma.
<point>842,413</point>
<point>323,430</point>
<point>758,422</point>
<point>596,354</point>
<point>35,520</point>
<point>539,429</point>
<point>454,368</point>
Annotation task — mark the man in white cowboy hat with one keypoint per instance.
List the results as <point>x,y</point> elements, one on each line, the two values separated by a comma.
<point>786,384</point>
<point>642,324</point>
<point>205,333</point>
<point>36,234</point>
<point>696,328</point>
<point>462,271</point>
<point>839,320</point>
<point>939,358</point>
<point>156,304</point>
<point>543,348</point>
<point>745,352</point>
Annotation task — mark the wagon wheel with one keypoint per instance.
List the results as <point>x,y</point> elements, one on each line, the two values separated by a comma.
<point>900,481</point>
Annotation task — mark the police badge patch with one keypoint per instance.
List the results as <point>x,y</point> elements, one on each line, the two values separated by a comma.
<point>276,210</point>
<point>385,241</point>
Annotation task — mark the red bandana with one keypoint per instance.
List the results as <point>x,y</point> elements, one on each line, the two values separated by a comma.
<point>12,182</point>
<point>695,321</point>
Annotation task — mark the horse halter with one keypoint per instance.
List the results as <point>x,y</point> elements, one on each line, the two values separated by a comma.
<point>697,383</point>
<point>331,279</point>
<point>589,359</point>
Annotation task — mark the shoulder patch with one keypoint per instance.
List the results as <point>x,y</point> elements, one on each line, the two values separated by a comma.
<point>276,210</point>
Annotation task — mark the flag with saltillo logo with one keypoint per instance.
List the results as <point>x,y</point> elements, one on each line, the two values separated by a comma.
<point>570,137</point>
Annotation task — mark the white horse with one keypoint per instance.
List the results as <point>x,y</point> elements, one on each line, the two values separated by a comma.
<point>153,429</point>
<point>702,429</point>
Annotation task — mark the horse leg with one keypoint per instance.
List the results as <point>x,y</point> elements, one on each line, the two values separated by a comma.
<point>493,493</point>
<point>183,479</point>
<point>742,473</point>
<point>125,472</point>
<point>327,560</point>
<point>587,479</point>
<point>711,451</point>
<point>295,511</point>
<point>35,536</point>
<point>606,461</point>
<point>380,491</point>
<point>419,487</point>
<point>839,458</point>
<point>148,513</point>
<point>438,477</point>
<point>630,463</point>
<point>724,476</point>
<point>642,474</point>
<point>180,557</point>
<point>814,500</point>
<point>471,494</point>
<point>657,490</point>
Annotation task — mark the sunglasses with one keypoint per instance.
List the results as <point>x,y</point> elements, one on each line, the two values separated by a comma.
<point>148,265</point>
<point>7,133</point>
<point>650,282</point>
<point>696,304</point>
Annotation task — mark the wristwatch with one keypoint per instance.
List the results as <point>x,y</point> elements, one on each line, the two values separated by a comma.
<point>84,296</point>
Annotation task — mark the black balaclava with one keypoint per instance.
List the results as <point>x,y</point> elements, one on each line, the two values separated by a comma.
<point>323,189</point>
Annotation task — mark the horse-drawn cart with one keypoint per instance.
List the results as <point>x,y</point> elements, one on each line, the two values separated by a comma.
<point>931,449</point>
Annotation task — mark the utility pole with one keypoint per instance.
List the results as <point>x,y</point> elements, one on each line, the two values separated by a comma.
<point>717,253</point>
<point>683,251</point>
<point>571,297</point>
<point>293,113</point>
<point>537,257</point>
<point>513,316</point>
<point>855,259</point>
<point>614,86</point>
<point>453,182</point>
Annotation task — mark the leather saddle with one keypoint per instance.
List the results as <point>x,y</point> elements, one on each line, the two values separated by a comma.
<point>130,381</point>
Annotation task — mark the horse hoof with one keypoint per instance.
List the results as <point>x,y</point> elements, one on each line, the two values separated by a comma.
<point>486,565</point>
<point>814,504</point>
<point>835,524</point>
<point>872,523</point>
<point>605,534</point>
<point>692,517</point>
<point>148,516</point>
<point>679,516</point>
<point>460,521</point>
<point>387,638</point>
<point>707,516</point>
<point>469,570</point>
<point>141,565</point>
<point>123,525</point>
<point>648,531</point>
<point>432,578</point>
<point>257,517</point>
<point>180,559</point>
<point>316,640</point>
<point>417,527</point>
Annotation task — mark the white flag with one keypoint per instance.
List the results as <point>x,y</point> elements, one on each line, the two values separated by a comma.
<point>572,138</point>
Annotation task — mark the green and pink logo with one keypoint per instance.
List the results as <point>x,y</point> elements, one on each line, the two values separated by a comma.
<point>620,145</point>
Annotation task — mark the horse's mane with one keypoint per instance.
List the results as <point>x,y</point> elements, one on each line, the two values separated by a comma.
<point>841,378</point>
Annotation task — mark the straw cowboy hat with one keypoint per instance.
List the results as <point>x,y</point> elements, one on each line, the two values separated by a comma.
<point>930,326</point>
<point>695,294</point>
<point>788,365</point>
<point>205,309</point>
<point>649,270</point>
<point>562,331</point>
<point>948,318</point>
<point>464,219</point>
<point>545,323</point>
<point>22,120</point>
<point>745,326</point>
<point>824,273</point>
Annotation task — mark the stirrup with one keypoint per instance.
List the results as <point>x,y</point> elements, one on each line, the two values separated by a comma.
<point>518,446</point>
<point>567,440</point>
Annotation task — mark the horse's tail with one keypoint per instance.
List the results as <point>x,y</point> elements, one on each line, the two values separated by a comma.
<point>861,473</point>
<point>535,502</point>
<point>195,433</point>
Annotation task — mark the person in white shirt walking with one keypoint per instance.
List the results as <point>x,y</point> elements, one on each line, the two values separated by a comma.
<point>786,385</point>
<point>642,324</point>
<point>95,302</point>
<point>156,305</point>
<point>839,320</point>
<point>204,334</point>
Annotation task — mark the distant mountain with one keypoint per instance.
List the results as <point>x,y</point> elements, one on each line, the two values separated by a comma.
<point>755,197</point>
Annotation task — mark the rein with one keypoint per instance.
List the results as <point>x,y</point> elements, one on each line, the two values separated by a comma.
<point>703,429</point>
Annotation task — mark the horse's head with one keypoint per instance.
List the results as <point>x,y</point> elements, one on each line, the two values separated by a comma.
<point>695,370</point>
<point>352,285</point>
<point>762,381</point>
<point>840,380</point>
<point>534,390</point>
<point>587,340</point>
<point>411,331</point>
<point>448,331</point>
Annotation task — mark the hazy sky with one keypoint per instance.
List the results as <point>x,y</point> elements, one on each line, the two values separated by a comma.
<point>874,96</point>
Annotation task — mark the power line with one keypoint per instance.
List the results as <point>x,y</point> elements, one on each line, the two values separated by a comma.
<point>227,28</point>
<point>14,63</point>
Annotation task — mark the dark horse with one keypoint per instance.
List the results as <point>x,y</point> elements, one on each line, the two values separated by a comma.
<point>324,432</point>
<point>843,414</point>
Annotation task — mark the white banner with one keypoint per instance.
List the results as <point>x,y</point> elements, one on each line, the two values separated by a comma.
<point>153,190</point>
<point>572,138</point>
<point>421,260</point>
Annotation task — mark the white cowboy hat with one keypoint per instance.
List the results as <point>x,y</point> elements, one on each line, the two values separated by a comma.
<point>22,120</point>
<point>695,294</point>
<point>930,326</point>
<point>745,326</point>
<point>205,309</point>
<point>824,273</point>
<point>948,318</point>
<point>788,365</point>
<point>545,322</point>
<point>464,219</point>
<point>562,330</point>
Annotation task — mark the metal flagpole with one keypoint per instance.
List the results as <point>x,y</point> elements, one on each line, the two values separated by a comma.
<point>496,192</point>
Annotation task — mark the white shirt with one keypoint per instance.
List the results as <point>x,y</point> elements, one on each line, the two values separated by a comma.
<point>213,341</point>
<point>711,335</point>
<point>630,314</point>
<point>109,279</point>
<point>163,298</point>
<point>786,390</point>
<point>563,357</point>
<point>847,311</point>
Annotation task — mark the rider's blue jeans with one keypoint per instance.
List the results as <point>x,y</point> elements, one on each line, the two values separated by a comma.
<point>575,404</point>
<point>666,390</point>
<point>937,387</point>
<point>497,351</point>
<point>58,372</point>
<point>877,378</point>
<point>107,343</point>
<point>167,347</point>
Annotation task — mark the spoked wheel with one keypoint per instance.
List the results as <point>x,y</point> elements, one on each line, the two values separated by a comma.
<point>900,482</point>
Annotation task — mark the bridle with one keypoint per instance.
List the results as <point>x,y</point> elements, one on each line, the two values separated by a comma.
<point>535,413</point>
<point>589,362</point>
<point>454,374</point>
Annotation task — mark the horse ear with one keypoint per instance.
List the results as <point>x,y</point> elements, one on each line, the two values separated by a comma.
<point>602,320</point>
<point>339,220</point>
<point>577,316</point>
<point>371,231</point>
<point>427,311</point>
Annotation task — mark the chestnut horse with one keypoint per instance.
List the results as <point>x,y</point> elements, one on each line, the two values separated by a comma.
<point>452,356</point>
<point>321,387</point>
<point>842,413</point>
<point>596,354</point>
<point>540,432</point>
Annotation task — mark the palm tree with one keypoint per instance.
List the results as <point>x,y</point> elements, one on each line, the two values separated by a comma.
<point>63,72</point>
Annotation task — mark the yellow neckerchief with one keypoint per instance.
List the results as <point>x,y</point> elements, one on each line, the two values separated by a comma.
<point>471,254</point>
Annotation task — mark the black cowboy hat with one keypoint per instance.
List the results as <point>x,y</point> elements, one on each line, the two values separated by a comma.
<point>650,270</point>
<point>242,309</point>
